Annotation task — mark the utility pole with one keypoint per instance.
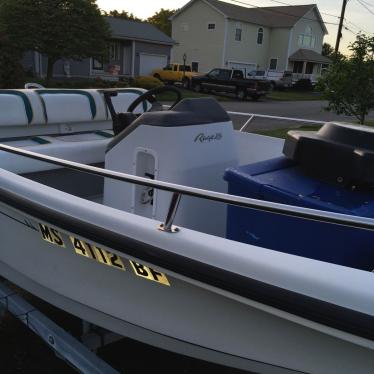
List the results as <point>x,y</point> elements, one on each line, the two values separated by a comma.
<point>338,37</point>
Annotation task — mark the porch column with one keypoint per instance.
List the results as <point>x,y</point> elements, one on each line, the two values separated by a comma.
<point>304,68</point>
<point>133,59</point>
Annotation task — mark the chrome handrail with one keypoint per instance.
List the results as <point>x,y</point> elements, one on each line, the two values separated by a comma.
<point>245,202</point>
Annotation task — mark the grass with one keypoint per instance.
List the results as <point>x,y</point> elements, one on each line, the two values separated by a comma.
<point>169,96</point>
<point>282,133</point>
<point>293,95</point>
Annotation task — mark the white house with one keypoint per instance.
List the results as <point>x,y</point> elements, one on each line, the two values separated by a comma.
<point>212,33</point>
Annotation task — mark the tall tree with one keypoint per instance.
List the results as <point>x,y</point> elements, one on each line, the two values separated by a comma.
<point>349,84</point>
<point>73,29</point>
<point>329,51</point>
<point>11,71</point>
<point>161,20</point>
<point>122,14</point>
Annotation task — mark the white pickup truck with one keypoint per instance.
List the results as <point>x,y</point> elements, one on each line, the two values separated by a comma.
<point>278,79</point>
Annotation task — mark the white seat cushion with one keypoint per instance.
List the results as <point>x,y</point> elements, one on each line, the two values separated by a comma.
<point>13,111</point>
<point>64,106</point>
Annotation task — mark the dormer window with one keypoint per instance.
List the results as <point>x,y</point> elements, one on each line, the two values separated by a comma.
<point>307,39</point>
<point>260,36</point>
<point>211,26</point>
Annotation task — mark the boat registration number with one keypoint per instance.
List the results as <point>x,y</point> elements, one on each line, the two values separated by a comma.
<point>102,256</point>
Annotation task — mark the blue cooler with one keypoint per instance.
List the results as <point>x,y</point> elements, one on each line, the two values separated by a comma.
<point>285,181</point>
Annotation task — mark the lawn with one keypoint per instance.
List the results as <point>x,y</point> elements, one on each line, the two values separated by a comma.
<point>293,95</point>
<point>282,133</point>
<point>169,96</point>
<point>290,95</point>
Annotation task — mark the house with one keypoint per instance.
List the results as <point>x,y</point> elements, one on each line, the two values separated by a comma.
<point>136,48</point>
<point>212,33</point>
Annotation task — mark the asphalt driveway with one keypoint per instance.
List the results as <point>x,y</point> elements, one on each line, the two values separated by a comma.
<point>312,110</point>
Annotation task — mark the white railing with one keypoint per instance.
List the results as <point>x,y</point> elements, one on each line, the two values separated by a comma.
<point>252,116</point>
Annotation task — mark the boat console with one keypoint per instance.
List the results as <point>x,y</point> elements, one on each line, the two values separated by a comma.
<point>190,144</point>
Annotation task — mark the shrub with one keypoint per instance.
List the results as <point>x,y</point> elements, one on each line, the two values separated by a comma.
<point>81,83</point>
<point>146,82</point>
<point>303,85</point>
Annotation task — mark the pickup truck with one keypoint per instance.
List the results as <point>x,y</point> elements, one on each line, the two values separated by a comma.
<point>231,81</point>
<point>175,73</point>
<point>277,79</point>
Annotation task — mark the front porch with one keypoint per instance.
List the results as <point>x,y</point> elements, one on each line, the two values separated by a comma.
<point>307,64</point>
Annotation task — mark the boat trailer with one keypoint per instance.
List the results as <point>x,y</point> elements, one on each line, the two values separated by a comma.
<point>78,354</point>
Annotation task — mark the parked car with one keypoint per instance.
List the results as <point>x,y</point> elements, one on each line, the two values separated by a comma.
<point>277,79</point>
<point>173,73</point>
<point>231,81</point>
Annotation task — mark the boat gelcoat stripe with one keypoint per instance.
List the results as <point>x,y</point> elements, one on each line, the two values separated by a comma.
<point>325,313</point>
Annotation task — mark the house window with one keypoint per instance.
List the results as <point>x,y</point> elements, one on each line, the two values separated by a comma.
<point>238,34</point>
<point>260,35</point>
<point>184,26</point>
<point>97,63</point>
<point>114,51</point>
<point>273,64</point>
<point>298,67</point>
<point>211,26</point>
<point>307,39</point>
<point>195,66</point>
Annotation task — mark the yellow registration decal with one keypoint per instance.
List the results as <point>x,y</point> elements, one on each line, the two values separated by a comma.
<point>102,256</point>
<point>51,235</point>
<point>85,249</point>
<point>148,273</point>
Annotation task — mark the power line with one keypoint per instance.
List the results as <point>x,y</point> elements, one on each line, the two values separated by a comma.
<point>280,12</point>
<point>360,29</point>
<point>283,3</point>
<point>366,7</point>
<point>367,3</point>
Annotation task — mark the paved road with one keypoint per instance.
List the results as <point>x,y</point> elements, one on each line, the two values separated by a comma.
<point>297,109</point>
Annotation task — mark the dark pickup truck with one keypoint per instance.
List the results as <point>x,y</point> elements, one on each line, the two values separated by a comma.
<point>231,81</point>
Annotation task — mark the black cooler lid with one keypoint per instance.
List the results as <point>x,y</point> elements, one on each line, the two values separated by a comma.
<point>338,153</point>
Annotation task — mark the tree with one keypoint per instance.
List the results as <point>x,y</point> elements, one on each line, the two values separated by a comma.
<point>161,20</point>
<point>11,71</point>
<point>349,83</point>
<point>72,29</point>
<point>123,14</point>
<point>329,51</point>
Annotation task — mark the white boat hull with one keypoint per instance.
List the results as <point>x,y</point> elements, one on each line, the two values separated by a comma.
<point>185,316</point>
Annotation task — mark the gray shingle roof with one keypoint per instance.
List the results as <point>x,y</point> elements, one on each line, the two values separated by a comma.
<point>126,29</point>
<point>309,55</point>
<point>276,16</point>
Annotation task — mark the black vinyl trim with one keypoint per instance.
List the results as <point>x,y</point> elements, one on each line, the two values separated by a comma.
<point>328,314</point>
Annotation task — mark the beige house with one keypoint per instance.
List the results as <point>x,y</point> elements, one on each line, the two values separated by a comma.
<point>212,33</point>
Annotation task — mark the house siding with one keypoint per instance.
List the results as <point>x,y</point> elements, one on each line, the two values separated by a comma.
<point>278,48</point>
<point>247,50</point>
<point>197,42</point>
<point>310,19</point>
<point>127,58</point>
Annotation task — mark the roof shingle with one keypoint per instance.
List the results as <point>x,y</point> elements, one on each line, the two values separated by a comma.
<point>309,55</point>
<point>276,16</point>
<point>126,29</point>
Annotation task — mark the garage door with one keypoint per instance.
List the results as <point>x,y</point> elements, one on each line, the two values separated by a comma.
<point>149,62</point>
<point>245,68</point>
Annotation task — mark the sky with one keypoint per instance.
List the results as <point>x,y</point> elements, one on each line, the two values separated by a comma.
<point>357,16</point>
